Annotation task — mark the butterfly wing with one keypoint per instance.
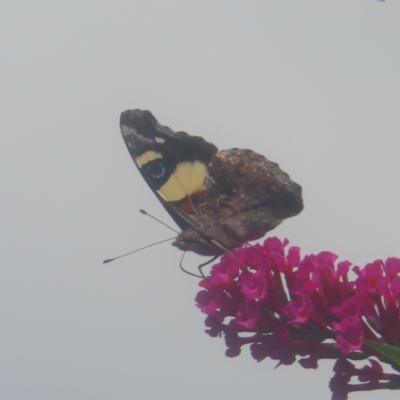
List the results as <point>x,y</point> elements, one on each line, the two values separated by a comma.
<point>220,199</point>
<point>174,164</point>
<point>245,196</point>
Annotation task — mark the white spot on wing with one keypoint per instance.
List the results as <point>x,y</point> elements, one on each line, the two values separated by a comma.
<point>159,140</point>
<point>127,131</point>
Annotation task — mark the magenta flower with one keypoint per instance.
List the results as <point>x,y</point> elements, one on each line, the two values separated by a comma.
<point>287,308</point>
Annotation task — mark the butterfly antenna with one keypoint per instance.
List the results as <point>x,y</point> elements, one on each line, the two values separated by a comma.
<point>134,251</point>
<point>162,223</point>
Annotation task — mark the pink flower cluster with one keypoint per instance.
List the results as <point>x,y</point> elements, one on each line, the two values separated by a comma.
<point>287,308</point>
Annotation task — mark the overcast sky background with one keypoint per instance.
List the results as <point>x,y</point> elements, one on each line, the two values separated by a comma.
<point>313,85</point>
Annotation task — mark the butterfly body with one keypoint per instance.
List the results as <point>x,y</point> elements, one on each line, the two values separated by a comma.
<point>220,199</point>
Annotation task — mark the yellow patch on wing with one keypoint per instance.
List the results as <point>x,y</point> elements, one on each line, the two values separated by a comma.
<point>187,179</point>
<point>146,157</point>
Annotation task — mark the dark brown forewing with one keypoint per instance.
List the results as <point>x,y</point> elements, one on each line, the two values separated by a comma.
<point>142,133</point>
<point>174,146</point>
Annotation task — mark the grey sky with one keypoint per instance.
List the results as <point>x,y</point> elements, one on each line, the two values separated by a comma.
<point>313,85</point>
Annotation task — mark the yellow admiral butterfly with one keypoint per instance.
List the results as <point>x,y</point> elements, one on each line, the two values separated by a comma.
<point>220,199</point>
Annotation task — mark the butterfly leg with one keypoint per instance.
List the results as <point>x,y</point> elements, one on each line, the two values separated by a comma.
<point>206,263</point>
<point>201,276</point>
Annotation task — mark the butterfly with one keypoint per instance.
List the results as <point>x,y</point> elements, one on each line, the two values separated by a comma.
<point>220,199</point>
